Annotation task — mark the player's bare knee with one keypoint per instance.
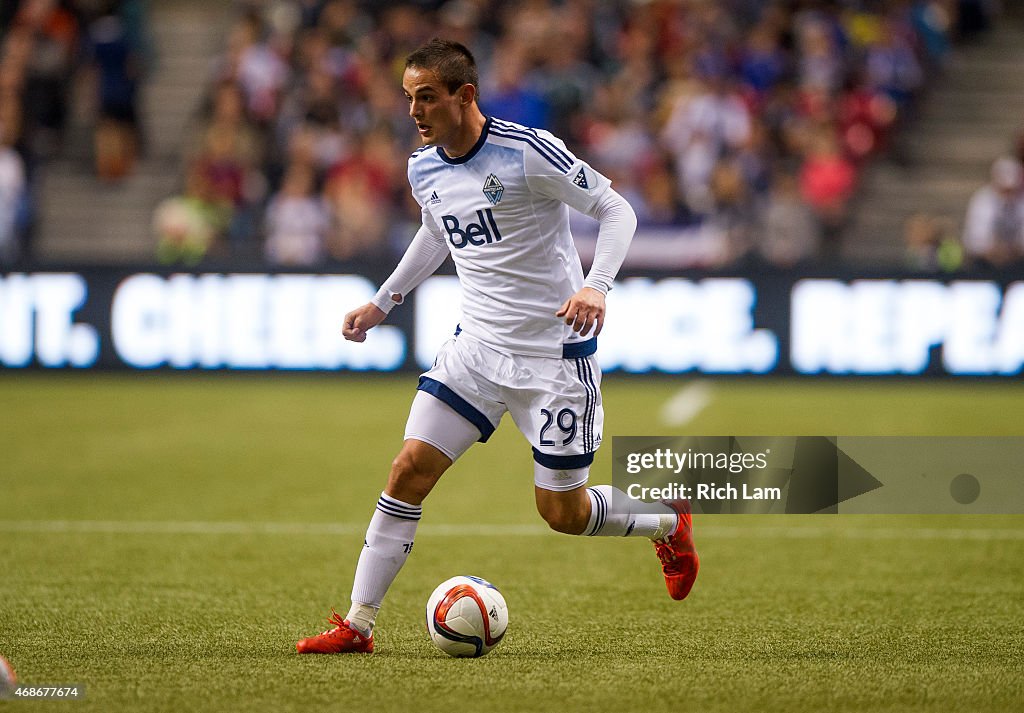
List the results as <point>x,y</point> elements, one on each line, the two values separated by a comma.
<point>411,479</point>
<point>564,520</point>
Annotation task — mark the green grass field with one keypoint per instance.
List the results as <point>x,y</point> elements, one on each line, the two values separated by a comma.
<point>165,539</point>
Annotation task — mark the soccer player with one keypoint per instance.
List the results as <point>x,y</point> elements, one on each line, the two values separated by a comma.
<point>496,195</point>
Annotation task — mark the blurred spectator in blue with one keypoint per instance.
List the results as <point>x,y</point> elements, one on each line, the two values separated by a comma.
<point>763,61</point>
<point>994,224</point>
<point>508,95</point>
<point>932,21</point>
<point>892,65</point>
<point>119,68</point>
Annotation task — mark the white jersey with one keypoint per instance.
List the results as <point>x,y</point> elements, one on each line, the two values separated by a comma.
<point>502,209</point>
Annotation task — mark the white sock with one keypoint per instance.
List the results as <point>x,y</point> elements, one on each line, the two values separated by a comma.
<point>389,540</point>
<point>652,520</point>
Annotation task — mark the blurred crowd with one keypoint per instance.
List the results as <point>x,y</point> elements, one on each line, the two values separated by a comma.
<point>48,50</point>
<point>738,129</point>
<point>745,122</point>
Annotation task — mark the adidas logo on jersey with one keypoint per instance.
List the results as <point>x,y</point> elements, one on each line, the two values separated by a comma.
<point>434,200</point>
<point>481,233</point>
<point>581,180</point>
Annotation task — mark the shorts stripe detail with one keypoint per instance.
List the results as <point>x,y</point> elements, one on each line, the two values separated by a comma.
<point>602,511</point>
<point>395,509</point>
<point>586,407</point>
<point>586,377</point>
<point>532,133</point>
<point>563,462</point>
<point>544,153</point>
<point>597,394</point>
<point>575,350</point>
<point>462,407</point>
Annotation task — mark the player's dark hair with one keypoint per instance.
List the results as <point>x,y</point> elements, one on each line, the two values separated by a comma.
<point>451,61</point>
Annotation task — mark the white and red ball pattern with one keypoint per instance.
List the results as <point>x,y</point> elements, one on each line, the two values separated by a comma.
<point>8,679</point>
<point>466,616</point>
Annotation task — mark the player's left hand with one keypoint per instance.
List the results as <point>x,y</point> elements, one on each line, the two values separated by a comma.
<point>584,310</point>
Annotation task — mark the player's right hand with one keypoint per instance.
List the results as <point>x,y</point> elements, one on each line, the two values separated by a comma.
<point>360,321</point>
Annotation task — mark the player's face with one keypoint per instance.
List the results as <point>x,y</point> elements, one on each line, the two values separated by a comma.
<point>437,113</point>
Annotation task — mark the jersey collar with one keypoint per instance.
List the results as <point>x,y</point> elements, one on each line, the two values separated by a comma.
<point>472,152</point>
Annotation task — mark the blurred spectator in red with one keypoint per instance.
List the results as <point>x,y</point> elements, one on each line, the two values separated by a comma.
<point>296,221</point>
<point>865,118</point>
<point>827,183</point>
<point>359,192</point>
<point>994,224</point>
<point>222,167</point>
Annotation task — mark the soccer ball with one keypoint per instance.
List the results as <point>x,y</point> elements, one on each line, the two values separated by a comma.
<point>466,616</point>
<point>7,678</point>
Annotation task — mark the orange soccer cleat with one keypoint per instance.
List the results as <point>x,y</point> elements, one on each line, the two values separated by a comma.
<point>679,560</point>
<point>342,639</point>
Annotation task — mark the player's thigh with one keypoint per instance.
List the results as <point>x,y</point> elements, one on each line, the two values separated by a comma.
<point>433,421</point>
<point>455,404</point>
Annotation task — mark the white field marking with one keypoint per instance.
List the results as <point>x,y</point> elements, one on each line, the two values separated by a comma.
<point>711,532</point>
<point>686,404</point>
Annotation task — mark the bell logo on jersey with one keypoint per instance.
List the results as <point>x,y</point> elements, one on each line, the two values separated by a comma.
<point>481,233</point>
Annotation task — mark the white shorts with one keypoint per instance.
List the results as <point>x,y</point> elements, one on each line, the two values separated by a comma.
<point>555,403</point>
